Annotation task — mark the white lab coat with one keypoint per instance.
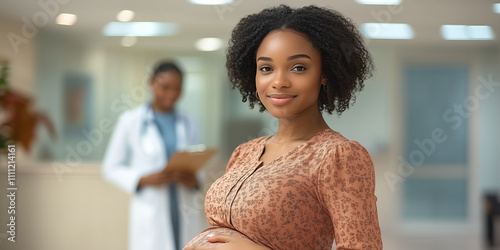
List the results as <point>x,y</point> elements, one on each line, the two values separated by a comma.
<point>136,149</point>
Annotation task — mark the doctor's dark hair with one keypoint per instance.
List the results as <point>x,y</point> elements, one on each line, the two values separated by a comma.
<point>346,63</point>
<point>165,67</point>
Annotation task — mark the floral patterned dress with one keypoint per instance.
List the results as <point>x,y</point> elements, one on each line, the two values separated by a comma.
<point>321,191</point>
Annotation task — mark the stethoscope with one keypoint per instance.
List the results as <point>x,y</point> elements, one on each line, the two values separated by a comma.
<point>146,144</point>
<point>149,148</point>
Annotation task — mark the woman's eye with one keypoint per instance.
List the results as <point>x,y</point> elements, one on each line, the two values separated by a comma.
<point>299,68</point>
<point>265,69</point>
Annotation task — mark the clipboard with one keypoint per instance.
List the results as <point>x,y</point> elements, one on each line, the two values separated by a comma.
<point>191,159</point>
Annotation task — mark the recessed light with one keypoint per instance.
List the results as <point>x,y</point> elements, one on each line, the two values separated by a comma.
<point>140,29</point>
<point>66,19</point>
<point>125,16</point>
<point>379,2</point>
<point>129,41</point>
<point>209,44</point>
<point>211,2</point>
<point>387,30</point>
<point>496,8</point>
<point>467,32</point>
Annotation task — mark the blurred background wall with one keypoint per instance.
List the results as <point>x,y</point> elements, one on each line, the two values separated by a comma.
<point>429,116</point>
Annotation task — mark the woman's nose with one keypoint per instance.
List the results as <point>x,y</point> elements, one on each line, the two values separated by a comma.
<point>280,81</point>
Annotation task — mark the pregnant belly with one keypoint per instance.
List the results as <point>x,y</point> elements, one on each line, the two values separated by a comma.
<point>201,239</point>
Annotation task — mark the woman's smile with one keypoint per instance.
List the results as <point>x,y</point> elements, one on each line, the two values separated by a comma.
<point>280,99</point>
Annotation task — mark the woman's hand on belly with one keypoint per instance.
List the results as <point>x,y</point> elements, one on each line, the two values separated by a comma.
<point>222,238</point>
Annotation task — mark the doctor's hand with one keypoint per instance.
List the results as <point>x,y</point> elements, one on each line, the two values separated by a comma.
<point>161,178</point>
<point>187,179</point>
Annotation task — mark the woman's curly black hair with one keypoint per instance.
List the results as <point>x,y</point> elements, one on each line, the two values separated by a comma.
<point>345,61</point>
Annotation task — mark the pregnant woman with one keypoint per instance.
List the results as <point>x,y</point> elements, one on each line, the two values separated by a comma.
<point>306,186</point>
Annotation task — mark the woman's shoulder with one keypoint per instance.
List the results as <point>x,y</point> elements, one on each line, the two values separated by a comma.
<point>335,142</point>
<point>343,158</point>
<point>134,113</point>
<point>131,119</point>
<point>246,151</point>
<point>329,138</point>
<point>252,145</point>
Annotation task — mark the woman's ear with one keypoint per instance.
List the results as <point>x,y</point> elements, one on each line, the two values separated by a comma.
<point>323,80</point>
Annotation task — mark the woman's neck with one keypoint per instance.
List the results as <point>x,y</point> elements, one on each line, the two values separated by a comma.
<point>299,128</point>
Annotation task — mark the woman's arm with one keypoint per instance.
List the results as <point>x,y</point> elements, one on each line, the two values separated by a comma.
<point>347,191</point>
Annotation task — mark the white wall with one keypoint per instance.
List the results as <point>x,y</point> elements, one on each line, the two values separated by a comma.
<point>21,58</point>
<point>489,135</point>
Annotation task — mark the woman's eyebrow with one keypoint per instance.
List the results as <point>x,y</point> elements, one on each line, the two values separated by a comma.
<point>298,56</point>
<point>263,58</point>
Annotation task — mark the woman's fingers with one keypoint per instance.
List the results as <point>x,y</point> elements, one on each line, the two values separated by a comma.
<point>218,238</point>
<point>196,248</point>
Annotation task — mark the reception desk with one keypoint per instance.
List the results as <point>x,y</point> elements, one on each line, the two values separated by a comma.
<point>75,210</point>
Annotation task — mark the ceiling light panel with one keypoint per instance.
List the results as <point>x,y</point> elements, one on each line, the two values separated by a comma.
<point>140,29</point>
<point>209,44</point>
<point>496,8</point>
<point>387,31</point>
<point>467,32</point>
<point>129,41</point>
<point>66,19</point>
<point>211,2</point>
<point>125,16</point>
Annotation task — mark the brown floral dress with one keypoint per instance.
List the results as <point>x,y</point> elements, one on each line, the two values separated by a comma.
<point>321,191</point>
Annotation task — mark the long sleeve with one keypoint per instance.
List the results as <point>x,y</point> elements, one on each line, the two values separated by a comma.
<point>346,187</point>
<point>115,165</point>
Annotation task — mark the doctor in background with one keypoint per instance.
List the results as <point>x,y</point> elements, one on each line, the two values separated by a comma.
<point>161,215</point>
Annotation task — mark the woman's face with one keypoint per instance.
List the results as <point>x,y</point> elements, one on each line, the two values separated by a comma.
<point>288,77</point>
<point>167,88</point>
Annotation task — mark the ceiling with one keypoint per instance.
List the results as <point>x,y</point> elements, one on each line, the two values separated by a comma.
<point>197,21</point>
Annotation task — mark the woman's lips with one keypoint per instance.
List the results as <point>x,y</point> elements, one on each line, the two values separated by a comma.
<point>280,99</point>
